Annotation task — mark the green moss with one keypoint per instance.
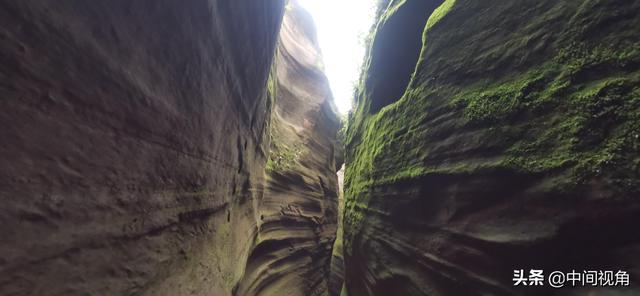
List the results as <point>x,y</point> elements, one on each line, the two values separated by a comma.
<point>440,12</point>
<point>272,85</point>
<point>543,99</point>
<point>492,105</point>
<point>282,157</point>
<point>546,87</point>
<point>343,291</point>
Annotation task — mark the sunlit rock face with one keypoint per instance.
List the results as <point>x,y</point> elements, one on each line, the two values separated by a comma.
<point>514,146</point>
<point>135,136</point>
<point>291,254</point>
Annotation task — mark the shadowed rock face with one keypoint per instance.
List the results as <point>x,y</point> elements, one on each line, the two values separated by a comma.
<point>158,148</point>
<point>336,277</point>
<point>134,140</point>
<point>291,254</point>
<point>515,146</point>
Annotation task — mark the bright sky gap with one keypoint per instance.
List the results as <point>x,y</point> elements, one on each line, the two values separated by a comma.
<point>341,34</point>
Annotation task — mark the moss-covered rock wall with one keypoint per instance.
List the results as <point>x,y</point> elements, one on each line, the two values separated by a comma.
<point>514,145</point>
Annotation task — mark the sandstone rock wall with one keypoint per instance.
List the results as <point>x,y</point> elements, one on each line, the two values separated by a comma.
<point>291,254</point>
<point>336,276</point>
<point>133,144</point>
<point>503,135</point>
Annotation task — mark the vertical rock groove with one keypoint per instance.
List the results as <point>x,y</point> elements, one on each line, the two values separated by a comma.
<point>394,51</point>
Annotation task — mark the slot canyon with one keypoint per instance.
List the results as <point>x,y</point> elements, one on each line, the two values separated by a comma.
<point>162,147</point>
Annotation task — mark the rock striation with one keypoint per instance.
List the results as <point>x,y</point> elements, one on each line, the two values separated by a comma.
<point>136,154</point>
<point>491,136</point>
<point>336,276</point>
<point>291,254</point>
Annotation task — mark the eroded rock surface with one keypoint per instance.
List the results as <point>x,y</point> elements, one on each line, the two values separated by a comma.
<point>134,141</point>
<point>336,277</point>
<point>514,146</point>
<point>298,213</point>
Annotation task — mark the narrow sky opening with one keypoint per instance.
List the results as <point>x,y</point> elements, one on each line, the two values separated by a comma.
<point>342,28</point>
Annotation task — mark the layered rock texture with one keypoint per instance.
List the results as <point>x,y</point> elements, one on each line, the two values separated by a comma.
<point>136,156</point>
<point>299,209</point>
<point>491,136</point>
<point>336,277</point>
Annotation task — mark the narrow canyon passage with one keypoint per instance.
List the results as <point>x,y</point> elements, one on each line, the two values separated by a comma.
<point>207,147</point>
